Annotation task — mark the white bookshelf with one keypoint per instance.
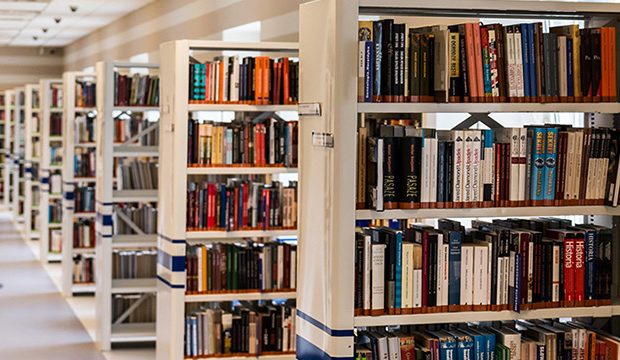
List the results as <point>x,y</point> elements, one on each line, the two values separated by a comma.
<point>47,169</point>
<point>17,171</point>
<point>328,77</point>
<point>70,182</point>
<point>6,105</point>
<point>31,166</point>
<point>175,174</point>
<point>107,331</point>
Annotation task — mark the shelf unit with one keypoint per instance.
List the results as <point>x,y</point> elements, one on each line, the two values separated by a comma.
<point>31,166</point>
<point>328,77</point>
<point>17,171</point>
<point>46,168</point>
<point>107,331</point>
<point>7,105</point>
<point>70,182</point>
<point>174,172</point>
<point>3,158</point>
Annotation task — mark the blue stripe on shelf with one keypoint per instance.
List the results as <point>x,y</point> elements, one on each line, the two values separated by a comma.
<point>172,263</point>
<point>69,208</point>
<point>308,351</point>
<point>45,180</point>
<point>106,220</point>
<point>69,195</point>
<point>325,328</point>
<point>174,241</point>
<point>104,203</point>
<point>169,284</point>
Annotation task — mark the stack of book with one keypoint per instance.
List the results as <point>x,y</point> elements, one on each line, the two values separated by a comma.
<point>84,234</point>
<point>136,175</point>
<point>143,216</point>
<point>136,90</point>
<point>85,94</point>
<point>85,129</point>
<point>235,268</point>
<point>56,124</point>
<point>84,199</point>
<point>473,62</point>
<point>83,269</point>
<point>144,313</point>
<point>84,162</point>
<point>523,340</point>
<point>509,264</point>
<point>546,165</point>
<point>134,264</point>
<point>252,330</point>
<point>256,80</point>
<point>244,143</point>
<point>241,205</point>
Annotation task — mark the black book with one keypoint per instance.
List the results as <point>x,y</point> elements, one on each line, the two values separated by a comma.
<point>377,38</point>
<point>595,38</point>
<point>463,62</point>
<point>387,65</point>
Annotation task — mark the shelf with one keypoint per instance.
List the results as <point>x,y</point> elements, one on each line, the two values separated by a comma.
<point>134,196</point>
<point>85,179</point>
<point>34,234</point>
<point>608,108</point>
<point>136,108</point>
<point>53,257</point>
<point>35,160</point>
<point>214,235</point>
<point>53,226</point>
<point>85,109</point>
<point>240,296</point>
<point>136,151</point>
<point>54,196</point>
<point>241,107</point>
<point>84,250</point>
<point>134,241</point>
<point>56,138</point>
<point>487,212</point>
<point>284,356</point>
<point>130,286</point>
<point>475,316</point>
<point>137,332</point>
<point>36,134</point>
<point>55,110</point>
<point>87,288</point>
<point>238,170</point>
<point>84,215</point>
<point>35,110</point>
<point>85,145</point>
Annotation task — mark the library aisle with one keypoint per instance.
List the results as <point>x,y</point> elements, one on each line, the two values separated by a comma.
<point>31,309</point>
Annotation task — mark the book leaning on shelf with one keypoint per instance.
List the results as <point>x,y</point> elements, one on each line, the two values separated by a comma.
<point>136,175</point>
<point>241,205</point>
<point>273,142</point>
<point>522,340</point>
<point>136,90</point>
<point>145,312</point>
<point>254,330</point>
<point>223,268</point>
<point>256,80</point>
<point>124,129</point>
<point>509,264</point>
<point>400,166</point>
<point>473,62</point>
<point>143,216</point>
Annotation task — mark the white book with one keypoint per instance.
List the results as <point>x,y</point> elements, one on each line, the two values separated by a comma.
<point>394,348</point>
<point>555,274</point>
<point>445,278</point>
<point>367,271</point>
<point>562,66</point>
<point>216,81</point>
<point>481,260</point>
<point>432,196</point>
<point>417,288</point>
<point>378,278</point>
<point>426,174</point>
<point>440,269</point>
<point>499,297</point>
<point>294,269</point>
<point>226,75</point>
<point>488,171</point>
<point>467,274</point>
<point>510,51</point>
<point>476,173</point>
<point>511,339</point>
<point>506,279</point>
<point>519,65</point>
<point>570,165</point>
<point>407,275</point>
<point>467,166</point>
<point>56,184</point>
<point>603,173</point>
<point>515,154</point>
<point>494,71</point>
<point>578,154</point>
<point>522,163</point>
<point>489,246</point>
<point>457,180</point>
<point>234,80</point>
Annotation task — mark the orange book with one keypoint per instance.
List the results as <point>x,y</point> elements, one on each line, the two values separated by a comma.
<point>258,79</point>
<point>478,62</point>
<point>266,80</point>
<point>220,83</point>
<point>471,62</point>
<point>612,49</point>
<point>285,80</point>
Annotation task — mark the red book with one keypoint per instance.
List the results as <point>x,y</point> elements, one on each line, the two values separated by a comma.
<point>246,196</point>
<point>580,273</point>
<point>471,61</point>
<point>478,62</point>
<point>211,206</point>
<point>285,81</point>
<point>569,271</point>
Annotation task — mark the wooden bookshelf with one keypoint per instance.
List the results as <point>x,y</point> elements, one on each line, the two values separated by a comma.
<point>328,78</point>
<point>9,104</point>
<point>3,156</point>
<point>175,174</point>
<point>31,165</point>
<point>17,170</point>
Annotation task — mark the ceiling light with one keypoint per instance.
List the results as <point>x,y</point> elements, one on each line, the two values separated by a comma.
<point>73,8</point>
<point>45,30</point>
<point>57,20</point>
<point>35,38</point>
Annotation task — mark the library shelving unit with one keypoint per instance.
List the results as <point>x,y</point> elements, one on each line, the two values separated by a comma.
<point>51,145</point>
<point>111,328</point>
<point>328,78</point>
<point>32,159</point>
<point>174,237</point>
<point>18,156</point>
<point>72,143</point>
<point>9,103</point>
<point>3,157</point>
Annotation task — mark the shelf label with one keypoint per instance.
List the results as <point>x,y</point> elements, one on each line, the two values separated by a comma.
<point>309,109</point>
<point>322,139</point>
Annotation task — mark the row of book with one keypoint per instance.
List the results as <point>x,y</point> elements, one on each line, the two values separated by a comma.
<point>521,340</point>
<point>271,142</point>
<point>55,124</point>
<point>56,96</point>
<point>84,162</point>
<point>55,212</point>
<point>143,216</point>
<point>240,268</point>
<point>509,264</point>
<point>85,128</point>
<point>406,167</point>
<point>241,205</point>
<point>84,201</point>
<point>55,183</point>
<point>85,94</point>
<point>251,329</point>
<point>134,264</point>
<point>136,90</point>
<point>145,312</point>
<point>136,175</point>
<point>125,128</point>
<point>55,241</point>
<point>473,62</point>
<point>84,235</point>
<point>83,269</point>
<point>249,80</point>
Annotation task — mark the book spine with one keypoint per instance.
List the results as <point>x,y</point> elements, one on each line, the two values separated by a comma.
<point>525,61</point>
<point>486,63</point>
<point>538,166</point>
<point>454,67</point>
<point>454,272</point>
<point>590,269</point>
<point>550,164</point>
<point>488,192</point>
<point>579,271</point>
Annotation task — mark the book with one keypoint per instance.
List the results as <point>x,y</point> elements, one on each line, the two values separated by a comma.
<point>136,89</point>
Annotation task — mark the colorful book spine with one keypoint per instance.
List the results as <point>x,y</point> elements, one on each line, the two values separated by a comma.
<point>551,156</point>
<point>538,166</point>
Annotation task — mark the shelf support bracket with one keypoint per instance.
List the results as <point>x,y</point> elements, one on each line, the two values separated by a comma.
<point>141,134</point>
<point>132,308</point>
<point>475,118</point>
<point>129,222</point>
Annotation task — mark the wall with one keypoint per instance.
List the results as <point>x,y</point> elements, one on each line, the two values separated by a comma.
<point>24,65</point>
<point>164,20</point>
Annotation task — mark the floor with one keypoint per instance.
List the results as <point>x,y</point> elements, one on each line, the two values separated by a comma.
<point>36,322</point>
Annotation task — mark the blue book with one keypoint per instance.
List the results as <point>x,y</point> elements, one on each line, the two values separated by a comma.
<point>188,336</point>
<point>516,306</point>
<point>193,335</point>
<point>540,351</point>
<point>399,266</point>
<point>590,249</point>
<point>532,54</point>
<point>464,345</point>
<point>570,76</point>
<point>551,157</point>
<point>487,184</point>
<point>369,55</point>
<point>447,345</point>
<point>490,343</point>
<point>441,171</point>
<point>479,344</point>
<point>537,185</point>
<point>526,59</point>
<point>486,69</point>
<point>454,268</point>
<point>229,141</point>
<point>223,206</point>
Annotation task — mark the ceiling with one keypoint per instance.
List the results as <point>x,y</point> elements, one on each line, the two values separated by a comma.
<point>22,22</point>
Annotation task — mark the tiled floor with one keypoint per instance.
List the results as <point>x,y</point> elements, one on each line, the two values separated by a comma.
<point>36,322</point>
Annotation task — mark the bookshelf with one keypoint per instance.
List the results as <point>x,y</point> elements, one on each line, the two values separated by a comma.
<point>17,171</point>
<point>328,53</point>
<point>32,159</point>
<point>76,117</point>
<point>111,329</point>
<point>51,196</point>
<point>9,106</point>
<point>5,163</point>
<point>174,237</point>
